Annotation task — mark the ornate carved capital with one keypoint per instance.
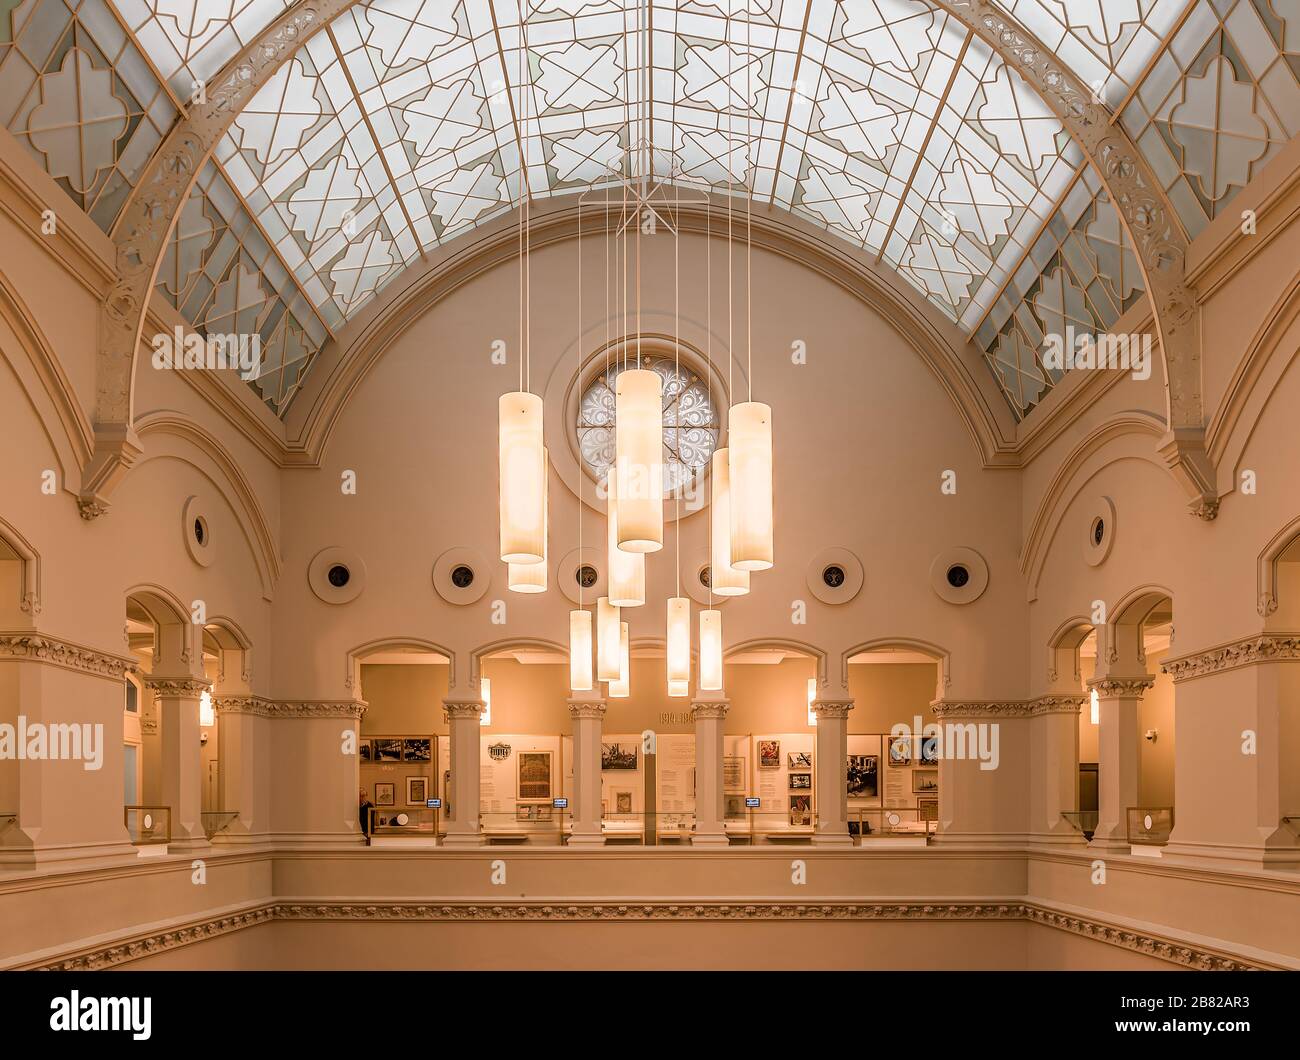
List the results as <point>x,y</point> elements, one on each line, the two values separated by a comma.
<point>242,705</point>
<point>587,708</point>
<point>1057,704</point>
<point>982,708</point>
<point>354,709</point>
<point>1250,651</point>
<point>710,708</point>
<point>1121,687</point>
<point>831,708</point>
<point>463,708</point>
<point>177,688</point>
<point>148,724</point>
<point>37,647</point>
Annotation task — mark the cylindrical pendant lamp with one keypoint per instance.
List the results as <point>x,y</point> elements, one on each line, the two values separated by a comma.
<point>580,650</point>
<point>531,577</point>
<point>522,468</point>
<point>679,639</point>
<point>626,569</point>
<point>724,579</point>
<point>607,620</point>
<point>710,651</point>
<point>622,687</point>
<point>638,446</point>
<point>750,460</point>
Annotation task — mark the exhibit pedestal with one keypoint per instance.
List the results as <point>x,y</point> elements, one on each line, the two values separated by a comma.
<point>710,713</point>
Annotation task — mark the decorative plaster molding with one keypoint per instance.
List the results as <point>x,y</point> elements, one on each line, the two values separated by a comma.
<point>587,708</point>
<point>1056,704</point>
<point>1171,951</point>
<point>37,647</point>
<point>983,708</point>
<point>463,708</point>
<point>1121,687</point>
<point>1265,647</point>
<point>269,708</point>
<point>177,688</point>
<point>710,708</point>
<point>148,724</point>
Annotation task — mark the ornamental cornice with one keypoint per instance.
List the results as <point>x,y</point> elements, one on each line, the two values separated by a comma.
<point>39,647</point>
<point>1249,651</point>
<point>710,708</point>
<point>1057,704</point>
<point>587,708</point>
<point>983,708</point>
<point>1121,687</point>
<point>1164,949</point>
<point>259,707</point>
<point>463,708</point>
<point>831,708</point>
<point>178,687</point>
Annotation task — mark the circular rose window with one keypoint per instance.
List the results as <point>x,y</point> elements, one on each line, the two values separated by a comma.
<point>690,419</point>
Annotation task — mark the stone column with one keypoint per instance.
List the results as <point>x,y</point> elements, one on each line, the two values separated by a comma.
<point>710,713</point>
<point>182,777</point>
<point>1118,757</point>
<point>463,829</point>
<point>1054,768</point>
<point>587,710</point>
<point>243,748</point>
<point>832,827</point>
<point>984,770</point>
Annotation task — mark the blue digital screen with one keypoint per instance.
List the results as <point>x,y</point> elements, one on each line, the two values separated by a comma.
<point>560,804</point>
<point>433,804</point>
<point>751,803</point>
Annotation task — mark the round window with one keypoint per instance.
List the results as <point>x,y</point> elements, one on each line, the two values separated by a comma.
<point>338,575</point>
<point>690,421</point>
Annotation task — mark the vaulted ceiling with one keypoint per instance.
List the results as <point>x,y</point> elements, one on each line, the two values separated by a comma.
<point>403,123</point>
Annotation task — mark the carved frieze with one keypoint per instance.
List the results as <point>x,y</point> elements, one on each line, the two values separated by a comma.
<point>1265,647</point>
<point>39,647</point>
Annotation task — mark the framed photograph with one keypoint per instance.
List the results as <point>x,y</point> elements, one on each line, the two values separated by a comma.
<point>863,776</point>
<point>798,760</point>
<point>387,750</point>
<point>930,751</point>
<point>618,756</point>
<point>622,802</point>
<point>927,809</point>
<point>801,782</point>
<point>733,773</point>
<point>385,794</point>
<point>769,754</point>
<point>364,751</point>
<point>418,749</point>
<point>417,791</point>
<point>534,774</point>
<point>925,781</point>
<point>900,751</point>
<point>800,810</point>
<point>734,807</point>
<point>531,811</point>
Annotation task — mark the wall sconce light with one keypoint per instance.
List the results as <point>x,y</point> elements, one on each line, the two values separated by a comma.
<point>207,716</point>
<point>485,685</point>
<point>1094,711</point>
<point>1151,734</point>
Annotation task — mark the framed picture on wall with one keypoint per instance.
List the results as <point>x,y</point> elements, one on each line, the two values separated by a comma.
<point>769,754</point>
<point>798,760</point>
<point>930,751</point>
<point>863,776</point>
<point>534,774</point>
<point>364,751</point>
<point>925,781</point>
<point>622,802</point>
<point>800,810</point>
<point>900,751</point>
<point>734,807</point>
<point>417,749</point>
<point>387,750</point>
<point>801,782</point>
<point>385,794</point>
<point>927,809</point>
<point>417,791</point>
<point>532,811</point>
<point>733,773</point>
<point>618,756</point>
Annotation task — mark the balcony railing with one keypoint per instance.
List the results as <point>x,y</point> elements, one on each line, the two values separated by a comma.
<point>1084,821</point>
<point>217,821</point>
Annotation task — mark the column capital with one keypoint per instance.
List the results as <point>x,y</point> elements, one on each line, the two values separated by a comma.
<point>179,687</point>
<point>1121,687</point>
<point>982,708</point>
<point>587,708</point>
<point>463,708</point>
<point>710,708</point>
<point>832,708</point>
<point>1057,703</point>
